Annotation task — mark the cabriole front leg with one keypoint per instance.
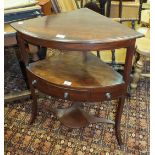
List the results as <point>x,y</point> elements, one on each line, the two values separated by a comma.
<point>118,120</point>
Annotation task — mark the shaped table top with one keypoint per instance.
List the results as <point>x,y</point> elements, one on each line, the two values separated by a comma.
<point>79,26</point>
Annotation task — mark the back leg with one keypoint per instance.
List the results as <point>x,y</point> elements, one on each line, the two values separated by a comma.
<point>34,103</point>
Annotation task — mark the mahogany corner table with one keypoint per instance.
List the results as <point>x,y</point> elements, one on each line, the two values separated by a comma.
<point>76,74</point>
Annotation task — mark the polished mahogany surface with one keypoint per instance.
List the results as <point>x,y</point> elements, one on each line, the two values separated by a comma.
<point>76,74</point>
<point>80,70</point>
<point>79,26</point>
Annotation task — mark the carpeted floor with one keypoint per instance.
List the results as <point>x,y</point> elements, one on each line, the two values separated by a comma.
<point>13,79</point>
<point>48,136</point>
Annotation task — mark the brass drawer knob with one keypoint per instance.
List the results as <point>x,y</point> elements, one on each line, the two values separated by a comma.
<point>108,96</point>
<point>66,95</point>
<point>34,82</point>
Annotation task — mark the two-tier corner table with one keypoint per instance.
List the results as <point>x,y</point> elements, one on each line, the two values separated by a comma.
<point>76,74</point>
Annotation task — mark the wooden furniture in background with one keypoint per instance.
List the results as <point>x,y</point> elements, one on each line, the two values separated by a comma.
<point>10,33</point>
<point>75,74</point>
<point>45,6</point>
<point>117,14</point>
<point>64,6</point>
<point>143,49</point>
<point>10,39</point>
<point>130,9</point>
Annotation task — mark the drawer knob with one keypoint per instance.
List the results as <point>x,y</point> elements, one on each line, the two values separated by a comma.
<point>66,95</point>
<point>34,82</point>
<point>108,96</point>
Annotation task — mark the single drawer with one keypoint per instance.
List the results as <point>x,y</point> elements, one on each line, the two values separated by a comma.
<point>73,94</point>
<point>62,92</point>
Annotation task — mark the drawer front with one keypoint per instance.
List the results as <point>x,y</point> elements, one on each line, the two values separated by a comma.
<point>60,92</point>
<point>108,93</point>
<point>68,93</point>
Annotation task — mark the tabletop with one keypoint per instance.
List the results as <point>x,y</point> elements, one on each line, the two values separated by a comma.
<point>79,26</point>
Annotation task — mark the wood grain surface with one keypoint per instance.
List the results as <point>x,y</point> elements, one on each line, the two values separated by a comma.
<point>82,70</point>
<point>79,26</point>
